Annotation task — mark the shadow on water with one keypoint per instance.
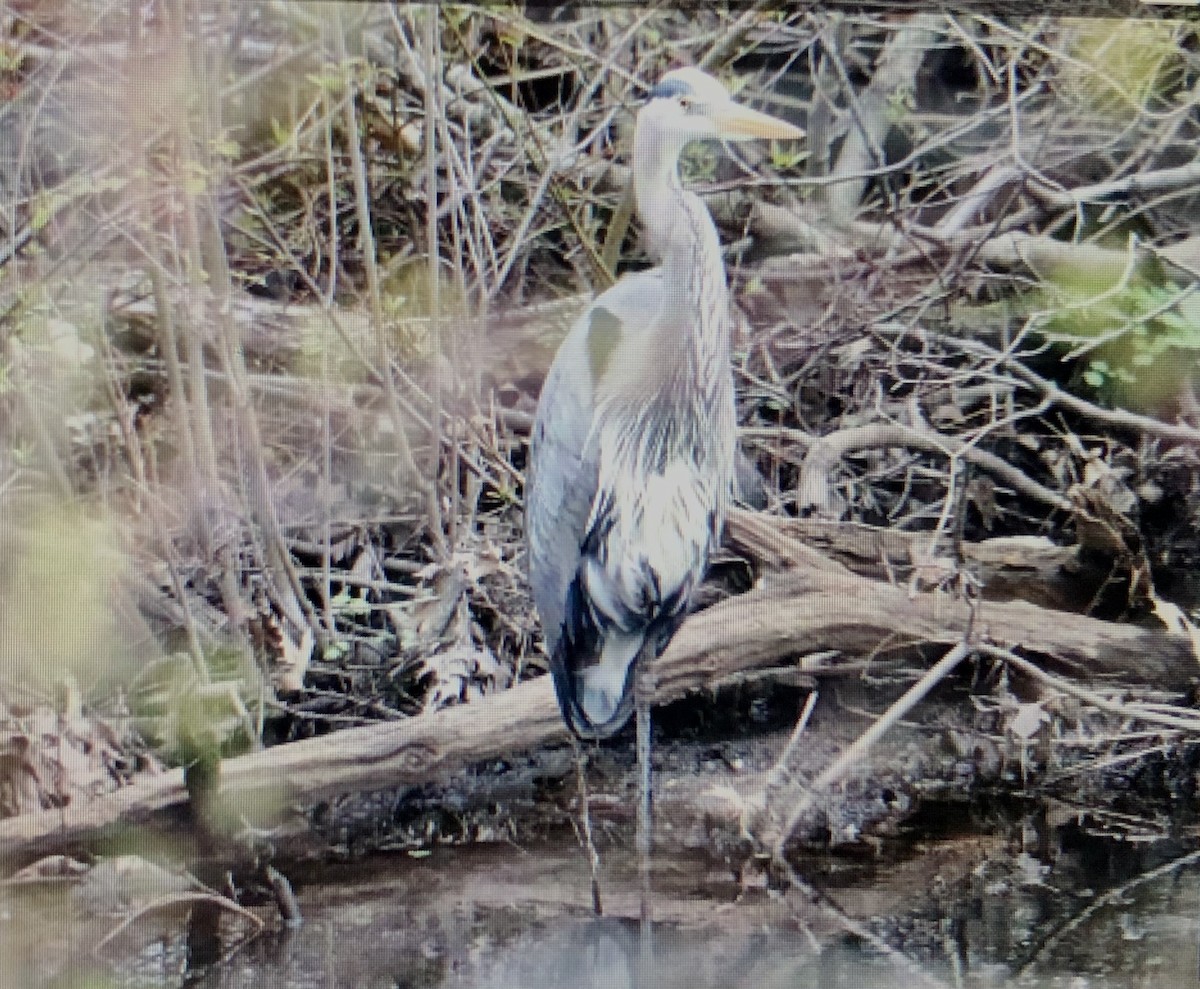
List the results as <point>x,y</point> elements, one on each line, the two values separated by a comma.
<point>1030,906</point>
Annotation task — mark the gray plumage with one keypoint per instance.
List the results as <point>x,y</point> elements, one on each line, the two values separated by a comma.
<point>631,460</point>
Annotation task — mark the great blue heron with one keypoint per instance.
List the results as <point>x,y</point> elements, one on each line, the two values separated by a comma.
<point>632,454</point>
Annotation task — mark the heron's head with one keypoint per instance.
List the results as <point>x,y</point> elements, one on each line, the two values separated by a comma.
<point>690,105</point>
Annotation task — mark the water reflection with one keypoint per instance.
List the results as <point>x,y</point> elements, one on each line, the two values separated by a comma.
<point>973,911</point>
<point>1014,921</point>
<point>582,954</point>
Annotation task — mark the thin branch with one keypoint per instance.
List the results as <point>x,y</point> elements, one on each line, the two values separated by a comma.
<point>859,748</point>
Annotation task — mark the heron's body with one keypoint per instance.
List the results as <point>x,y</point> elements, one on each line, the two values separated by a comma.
<point>615,548</point>
<point>632,453</point>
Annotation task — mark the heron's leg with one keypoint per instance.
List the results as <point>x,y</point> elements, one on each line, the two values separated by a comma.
<point>643,692</point>
<point>585,820</point>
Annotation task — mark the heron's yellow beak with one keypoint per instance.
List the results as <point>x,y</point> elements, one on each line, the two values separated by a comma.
<point>734,122</point>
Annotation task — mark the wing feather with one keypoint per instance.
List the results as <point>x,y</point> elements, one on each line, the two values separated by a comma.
<point>602,607</point>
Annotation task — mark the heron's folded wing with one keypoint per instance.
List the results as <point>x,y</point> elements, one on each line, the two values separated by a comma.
<point>562,477</point>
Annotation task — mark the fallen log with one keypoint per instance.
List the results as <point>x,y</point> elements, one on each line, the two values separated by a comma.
<point>1028,568</point>
<point>788,616</point>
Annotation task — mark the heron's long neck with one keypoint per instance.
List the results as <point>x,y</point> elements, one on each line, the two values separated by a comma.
<point>682,234</point>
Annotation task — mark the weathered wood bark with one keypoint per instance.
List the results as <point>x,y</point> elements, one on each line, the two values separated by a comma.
<point>816,612</point>
<point>794,613</point>
<point>1026,568</point>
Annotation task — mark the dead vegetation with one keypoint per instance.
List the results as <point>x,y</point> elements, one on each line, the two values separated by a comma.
<point>280,283</point>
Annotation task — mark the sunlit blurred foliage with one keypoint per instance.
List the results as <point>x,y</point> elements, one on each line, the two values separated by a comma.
<point>61,571</point>
<point>49,348</point>
<point>337,352</point>
<point>197,716</point>
<point>343,348</point>
<point>182,709</point>
<point>408,305</point>
<point>1137,338</point>
<point>1121,67</point>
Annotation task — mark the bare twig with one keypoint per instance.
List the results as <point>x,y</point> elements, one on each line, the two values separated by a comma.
<point>856,751</point>
<point>824,454</point>
<point>174,900</point>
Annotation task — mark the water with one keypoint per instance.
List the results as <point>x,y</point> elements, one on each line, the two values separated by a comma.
<point>1022,907</point>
